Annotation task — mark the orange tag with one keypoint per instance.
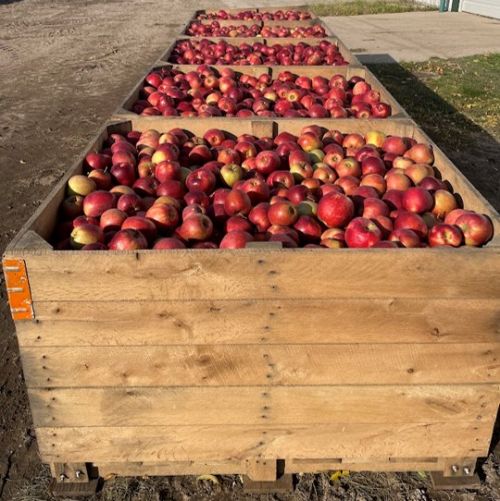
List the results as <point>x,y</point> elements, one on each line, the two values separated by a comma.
<point>18,289</point>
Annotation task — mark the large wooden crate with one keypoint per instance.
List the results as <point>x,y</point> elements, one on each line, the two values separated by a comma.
<point>346,53</point>
<point>249,361</point>
<point>125,109</point>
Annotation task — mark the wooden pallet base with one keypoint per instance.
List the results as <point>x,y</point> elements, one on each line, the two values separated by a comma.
<point>282,485</point>
<point>442,483</point>
<point>74,489</point>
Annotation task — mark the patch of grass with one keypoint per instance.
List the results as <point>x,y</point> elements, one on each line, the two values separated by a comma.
<point>360,7</point>
<point>451,98</point>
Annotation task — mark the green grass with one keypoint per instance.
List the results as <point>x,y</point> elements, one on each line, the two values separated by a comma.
<point>359,7</point>
<point>452,99</point>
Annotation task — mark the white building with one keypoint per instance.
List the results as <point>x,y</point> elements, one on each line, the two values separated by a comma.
<point>488,8</point>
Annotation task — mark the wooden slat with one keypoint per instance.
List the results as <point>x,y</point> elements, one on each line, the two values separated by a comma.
<point>206,443</point>
<point>108,323</point>
<point>263,274</point>
<point>167,406</point>
<point>134,469</point>
<point>376,464</point>
<point>253,365</point>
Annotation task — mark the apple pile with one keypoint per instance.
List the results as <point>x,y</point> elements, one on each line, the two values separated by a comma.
<point>207,92</point>
<point>204,51</point>
<point>214,29</point>
<point>321,188</point>
<point>250,15</point>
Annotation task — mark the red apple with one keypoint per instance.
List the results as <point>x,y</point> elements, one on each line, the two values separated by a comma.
<point>128,240</point>
<point>445,235</point>
<point>235,240</point>
<point>335,210</point>
<point>362,232</point>
<point>477,228</point>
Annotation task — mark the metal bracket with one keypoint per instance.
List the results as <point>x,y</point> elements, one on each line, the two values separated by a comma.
<point>73,480</point>
<point>18,289</point>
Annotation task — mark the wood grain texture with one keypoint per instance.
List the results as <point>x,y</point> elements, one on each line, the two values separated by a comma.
<point>252,365</point>
<point>206,443</point>
<point>263,274</point>
<point>326,321</point>
<point>168,406</point>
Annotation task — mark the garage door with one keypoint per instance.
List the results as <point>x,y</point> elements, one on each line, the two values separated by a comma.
<point>490,8</point>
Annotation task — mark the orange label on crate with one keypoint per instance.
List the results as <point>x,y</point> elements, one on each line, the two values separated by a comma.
<point>18,289</point>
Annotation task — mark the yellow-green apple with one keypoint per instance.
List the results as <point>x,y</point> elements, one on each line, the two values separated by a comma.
<point>85,234</point>
<point>375,137</point>
<point>445,235</point>
<point>335,210</point>
<point>307,208</point>
<point>231,173</point>
<point>402,163</point>
<point>444,203</point>
<point>362,232</point>
<point>81,185</point>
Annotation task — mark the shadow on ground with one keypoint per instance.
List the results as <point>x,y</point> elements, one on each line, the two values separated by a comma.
<point>474,150</point>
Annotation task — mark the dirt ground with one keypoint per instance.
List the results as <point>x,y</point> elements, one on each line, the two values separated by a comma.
<point>64,67</point>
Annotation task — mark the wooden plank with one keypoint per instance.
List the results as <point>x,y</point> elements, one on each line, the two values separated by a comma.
<point>263,274</point>
<point>375,464</point>
<point>294,321</point>
<point>253,365</point>
<point>232,467</point>
<point>171,468</point>
<point>207,443</point>
<point>80,407</point>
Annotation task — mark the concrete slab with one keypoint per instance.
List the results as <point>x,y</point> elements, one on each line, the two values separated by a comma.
<point>416,36</point>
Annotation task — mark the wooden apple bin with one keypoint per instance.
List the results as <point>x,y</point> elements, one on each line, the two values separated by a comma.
<point>125,109</point>
<point>258,360</point>
<point>346,53</point>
